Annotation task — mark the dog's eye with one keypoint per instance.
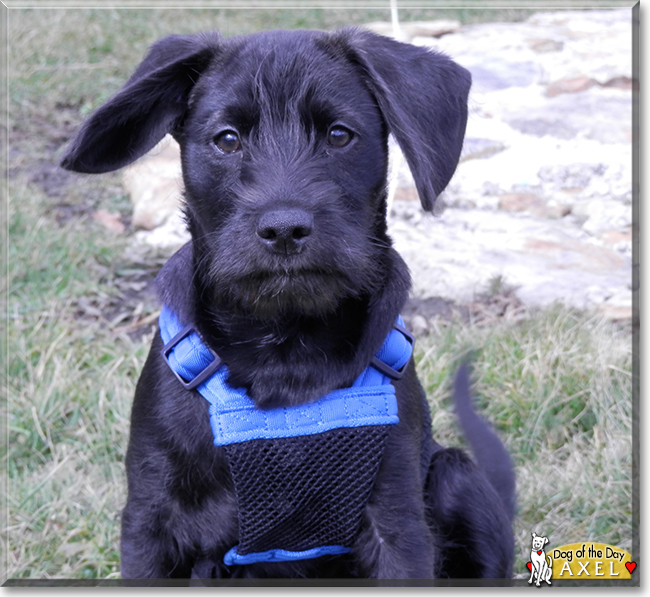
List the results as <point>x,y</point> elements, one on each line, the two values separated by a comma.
<point>339,136</point>
<point>227,141</point>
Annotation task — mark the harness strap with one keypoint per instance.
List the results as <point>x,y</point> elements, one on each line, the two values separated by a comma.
<point>233,415</point>
<point>291,508</point>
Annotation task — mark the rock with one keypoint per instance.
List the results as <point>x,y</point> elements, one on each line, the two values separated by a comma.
<point>409,30</point>
<point>529,202</point>
<point>418,325</point>
<point>407,194</point>
<point>387,29</point>
<point>519,202</point>
<point>406,211</point>
<point>110,221</point>
<point>457,255</point>
<point>474,149</point>
<point>430,28</point>
<point>154,184</point>
<point>501,72</point>
<point>545,45</point>
<point>622,83</point>
<point>171,236</point>
<point>616,312</point>
<point>554,210</point>
<point>603,214</point>
<point>601,114</point>
<point>420,314</point>
<point>569,177</point>
<point>593,44</point>
<point>614,238</point>
<point>574,85</point>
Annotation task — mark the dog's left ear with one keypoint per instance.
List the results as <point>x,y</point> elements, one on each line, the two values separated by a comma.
<point>422,95</point>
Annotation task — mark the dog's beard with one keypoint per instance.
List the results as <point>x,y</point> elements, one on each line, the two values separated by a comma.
<point>307,293</point>
<point>313,283</point>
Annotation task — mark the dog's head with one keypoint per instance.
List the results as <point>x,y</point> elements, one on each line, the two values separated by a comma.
<point>539,541</point>
<point>284,148</point>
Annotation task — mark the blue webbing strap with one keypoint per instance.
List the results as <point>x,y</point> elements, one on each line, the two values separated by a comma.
<point>282,555</point>
<point>234,417</point>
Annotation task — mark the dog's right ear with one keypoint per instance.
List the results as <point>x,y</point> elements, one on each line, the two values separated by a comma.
<point>147,108</point>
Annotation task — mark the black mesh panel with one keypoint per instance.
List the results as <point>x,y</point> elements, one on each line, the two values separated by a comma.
<point>302,492</point>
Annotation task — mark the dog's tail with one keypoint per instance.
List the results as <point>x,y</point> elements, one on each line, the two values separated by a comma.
<point>489,452</point>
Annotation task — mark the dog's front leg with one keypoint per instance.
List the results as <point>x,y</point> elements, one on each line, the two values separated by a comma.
<point>532,572</point>
<point>395,547</point>
<point>395,542</point>
<point>146,547</point>
<point>544,573</point>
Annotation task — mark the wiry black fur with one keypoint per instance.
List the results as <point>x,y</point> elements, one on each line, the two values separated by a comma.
<point>297,317</point>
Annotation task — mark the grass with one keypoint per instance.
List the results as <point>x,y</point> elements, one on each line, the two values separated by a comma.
<point>557,387</point>
<point>81,55</point>
<point>71,378</point>
<point>556,383</point>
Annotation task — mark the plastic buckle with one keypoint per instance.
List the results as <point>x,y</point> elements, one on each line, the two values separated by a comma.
<point>201,377</point>
<point>386,369</point>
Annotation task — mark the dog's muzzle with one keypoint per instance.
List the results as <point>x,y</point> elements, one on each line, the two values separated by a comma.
<point>302,474</point>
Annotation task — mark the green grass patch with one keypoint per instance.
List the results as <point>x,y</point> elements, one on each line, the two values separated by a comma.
<point>557,386</point>
<point>70,383</point>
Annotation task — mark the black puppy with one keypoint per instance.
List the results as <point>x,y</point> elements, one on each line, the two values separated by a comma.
<point>291,280</point>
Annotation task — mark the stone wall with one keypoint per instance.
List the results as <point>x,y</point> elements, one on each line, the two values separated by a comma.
<point>542,197</point>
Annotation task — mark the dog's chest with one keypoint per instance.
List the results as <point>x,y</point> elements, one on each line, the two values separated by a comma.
<point>302,475</point>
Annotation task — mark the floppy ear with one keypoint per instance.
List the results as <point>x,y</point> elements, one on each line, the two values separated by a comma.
<point>422,95</point>
<point>145,109</point>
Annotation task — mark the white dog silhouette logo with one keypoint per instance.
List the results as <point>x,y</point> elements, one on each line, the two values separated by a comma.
<point>540,568</point>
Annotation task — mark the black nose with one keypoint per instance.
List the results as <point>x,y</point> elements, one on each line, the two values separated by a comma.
<point>285,231</point>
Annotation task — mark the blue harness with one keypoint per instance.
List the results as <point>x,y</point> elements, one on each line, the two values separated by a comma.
<point>282,460</point>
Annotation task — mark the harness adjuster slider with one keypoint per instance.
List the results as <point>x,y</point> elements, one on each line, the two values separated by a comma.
<point>203,375</point>
<point>386,369</point>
